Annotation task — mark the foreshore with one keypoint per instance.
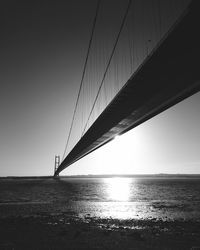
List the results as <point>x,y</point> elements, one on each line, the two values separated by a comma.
<point>67,231</point>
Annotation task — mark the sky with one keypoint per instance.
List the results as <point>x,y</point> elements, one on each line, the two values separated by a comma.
<point>43,47</point>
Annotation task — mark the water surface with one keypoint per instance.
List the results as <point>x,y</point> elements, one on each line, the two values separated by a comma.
<point>116,198</point>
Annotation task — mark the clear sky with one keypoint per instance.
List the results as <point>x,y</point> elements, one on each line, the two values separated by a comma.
<point>42,54</point>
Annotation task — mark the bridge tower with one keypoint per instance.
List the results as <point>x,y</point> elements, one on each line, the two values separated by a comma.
<point>57,163</point>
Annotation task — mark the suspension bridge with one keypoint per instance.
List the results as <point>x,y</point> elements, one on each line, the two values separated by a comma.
<point>142,59</point>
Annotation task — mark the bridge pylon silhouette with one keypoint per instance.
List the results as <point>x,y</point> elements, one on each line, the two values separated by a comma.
<point>56,164</point>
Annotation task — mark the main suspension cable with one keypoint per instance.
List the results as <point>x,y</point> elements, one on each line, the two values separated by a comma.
<point>109,61</point>
<point>83,75</point>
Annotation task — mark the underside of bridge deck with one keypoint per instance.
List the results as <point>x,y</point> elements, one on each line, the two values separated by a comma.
<point>169,74</point>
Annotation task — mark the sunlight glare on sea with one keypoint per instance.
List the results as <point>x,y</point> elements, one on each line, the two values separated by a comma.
<point>117,198</point>
<point>118,189</point>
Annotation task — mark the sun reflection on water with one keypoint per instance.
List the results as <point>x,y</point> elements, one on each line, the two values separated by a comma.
<point>118,199</point>
<point>118,189</point>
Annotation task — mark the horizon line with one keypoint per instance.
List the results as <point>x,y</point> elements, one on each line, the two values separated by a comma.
<point>100,175</point>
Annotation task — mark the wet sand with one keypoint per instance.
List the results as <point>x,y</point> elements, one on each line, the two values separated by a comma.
<point>66,231</point>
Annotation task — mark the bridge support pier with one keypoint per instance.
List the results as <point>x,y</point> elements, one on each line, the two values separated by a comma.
<point>57,164</point>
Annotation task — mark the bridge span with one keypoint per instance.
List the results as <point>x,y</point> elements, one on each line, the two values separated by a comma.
<point>169,74</point>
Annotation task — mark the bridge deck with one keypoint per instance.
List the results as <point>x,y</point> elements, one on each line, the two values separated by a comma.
<point>167,76</point>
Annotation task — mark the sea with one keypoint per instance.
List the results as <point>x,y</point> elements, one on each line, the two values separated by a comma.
<point>121,198</point>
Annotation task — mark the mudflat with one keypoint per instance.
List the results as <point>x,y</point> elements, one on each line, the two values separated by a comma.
<point>98,213</point>
<point>66,231</point>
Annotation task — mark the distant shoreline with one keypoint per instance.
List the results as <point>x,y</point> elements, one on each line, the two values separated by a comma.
<point>108,176</point>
